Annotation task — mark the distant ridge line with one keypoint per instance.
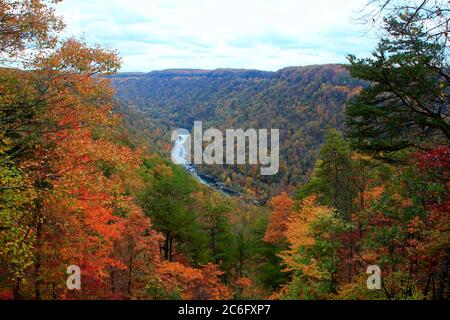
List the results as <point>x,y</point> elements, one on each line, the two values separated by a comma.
<point>194,71</point>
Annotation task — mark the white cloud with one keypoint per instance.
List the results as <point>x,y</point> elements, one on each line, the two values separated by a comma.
<point>210,34</point>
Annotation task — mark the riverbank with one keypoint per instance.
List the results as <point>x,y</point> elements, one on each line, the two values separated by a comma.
<point>179,157</point>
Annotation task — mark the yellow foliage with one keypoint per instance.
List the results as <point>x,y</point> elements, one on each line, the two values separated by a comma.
<point>298,235</point>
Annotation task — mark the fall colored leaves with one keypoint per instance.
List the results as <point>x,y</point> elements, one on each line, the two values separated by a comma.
<point>68,177</point>
<point>399,223</point>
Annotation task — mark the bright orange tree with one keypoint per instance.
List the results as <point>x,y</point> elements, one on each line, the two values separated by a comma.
<point>282,210</point>
<point>84,210</point>
<point>309,243</point>
<point>180,281</point>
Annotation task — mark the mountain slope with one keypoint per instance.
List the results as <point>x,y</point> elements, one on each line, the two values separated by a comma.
<point>300,101</point>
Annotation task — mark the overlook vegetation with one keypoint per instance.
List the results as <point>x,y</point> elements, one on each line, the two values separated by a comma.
<point>85,177</point>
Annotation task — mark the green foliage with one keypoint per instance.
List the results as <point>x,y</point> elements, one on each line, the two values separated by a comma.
<point>334,174</point>
<point>16,205</point>
<point>167,200</point>
<point>406,104</point>
<point>214,218</point>
<point>270,271</point>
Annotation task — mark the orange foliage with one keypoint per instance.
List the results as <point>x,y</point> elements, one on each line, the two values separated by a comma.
<point>86,212</point>
<point>138,248</point>
<point>191,283</point>
<point>247,289</point>
<point>282,210</point>
<point>298,234</point>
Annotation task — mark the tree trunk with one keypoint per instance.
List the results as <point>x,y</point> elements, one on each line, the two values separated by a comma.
<point>130,269</point>
<point>37,263</point>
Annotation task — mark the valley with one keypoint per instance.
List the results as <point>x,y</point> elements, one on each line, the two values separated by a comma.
<point>326,181</point>
<point>303,102</point>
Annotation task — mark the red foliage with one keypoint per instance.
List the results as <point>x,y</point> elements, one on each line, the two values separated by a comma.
<point>6,295</point>
<point>439,157</point>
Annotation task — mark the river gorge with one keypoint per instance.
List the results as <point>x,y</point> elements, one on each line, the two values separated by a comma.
<point>179,157</point>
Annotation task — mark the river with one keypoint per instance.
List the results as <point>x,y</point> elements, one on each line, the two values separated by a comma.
<point>179,154</point>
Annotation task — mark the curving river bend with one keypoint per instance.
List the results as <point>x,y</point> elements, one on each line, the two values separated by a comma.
<point>179,154</point>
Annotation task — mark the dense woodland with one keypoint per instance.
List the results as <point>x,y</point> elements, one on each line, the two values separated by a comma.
<point>303,102</point>
<point>86,177</point>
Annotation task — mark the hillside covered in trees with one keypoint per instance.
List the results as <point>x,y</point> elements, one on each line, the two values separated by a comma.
<point>86,181</point>
<point>300,101</point>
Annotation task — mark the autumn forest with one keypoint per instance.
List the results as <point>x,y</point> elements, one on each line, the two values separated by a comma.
<point>86,177</point>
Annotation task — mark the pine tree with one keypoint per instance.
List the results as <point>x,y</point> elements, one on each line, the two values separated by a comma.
<point>405,103</point>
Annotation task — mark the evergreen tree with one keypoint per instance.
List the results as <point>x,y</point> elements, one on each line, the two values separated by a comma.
<point>406,102</point>
<point>167,201</point>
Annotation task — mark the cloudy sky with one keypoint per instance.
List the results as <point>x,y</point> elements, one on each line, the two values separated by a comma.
<point>209,34</point>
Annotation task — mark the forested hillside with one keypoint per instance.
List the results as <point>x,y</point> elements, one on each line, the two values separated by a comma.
<point>78,190</point>
<point>300,101</point>
<point>86,181</point>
